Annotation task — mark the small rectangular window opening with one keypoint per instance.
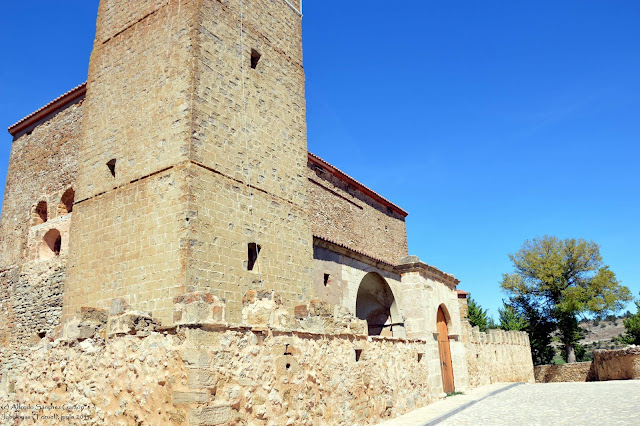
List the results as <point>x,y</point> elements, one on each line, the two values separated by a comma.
<point>326,279</point>
<point>253,252</point>
<point>420,357</point>
<point>255,57</point>
<point>111,164</point>
<point>358,354</point>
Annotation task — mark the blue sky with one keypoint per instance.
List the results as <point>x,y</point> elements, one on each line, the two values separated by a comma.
<point>491,122</point>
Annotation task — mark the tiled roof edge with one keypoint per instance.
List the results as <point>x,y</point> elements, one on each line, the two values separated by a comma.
<point>352,250</point>
<point>345,177</point>
<point>49,108</point>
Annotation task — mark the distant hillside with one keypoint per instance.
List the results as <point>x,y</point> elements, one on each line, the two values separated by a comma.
<point>599,334</point>
<point>604,330</point>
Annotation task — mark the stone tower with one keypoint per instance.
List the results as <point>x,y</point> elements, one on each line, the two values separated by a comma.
<point>193,157</point>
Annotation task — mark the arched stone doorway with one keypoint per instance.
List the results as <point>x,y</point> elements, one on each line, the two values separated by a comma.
<point>446,368</point>
<point>375,304</point>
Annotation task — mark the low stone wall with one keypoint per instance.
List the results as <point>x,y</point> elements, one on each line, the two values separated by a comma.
<point>126,368</point>
<point>620,364</point>
<point>317,366</point>
<point>497,356</point>
<point>574,372</point>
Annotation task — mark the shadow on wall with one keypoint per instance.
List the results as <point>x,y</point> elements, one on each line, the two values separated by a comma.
<point>376,304</point>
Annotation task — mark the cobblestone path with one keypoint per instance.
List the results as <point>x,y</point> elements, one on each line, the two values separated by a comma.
<point>591,403</point>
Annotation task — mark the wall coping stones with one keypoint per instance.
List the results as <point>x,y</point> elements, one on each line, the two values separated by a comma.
<point>414,264</point>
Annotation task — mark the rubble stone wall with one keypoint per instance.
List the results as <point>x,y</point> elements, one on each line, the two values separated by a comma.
<point>618,364</point>
<point>30,306</point>
<point>317,366</point>
<point>607,364</point>
<point>127,368</point>
<point>497,356</point>
<point>574,372</point>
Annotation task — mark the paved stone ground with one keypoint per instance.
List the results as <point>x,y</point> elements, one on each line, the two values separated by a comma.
<point>591,403</point>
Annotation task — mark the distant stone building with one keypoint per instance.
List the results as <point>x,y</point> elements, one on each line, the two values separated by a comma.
<point>176,183</point>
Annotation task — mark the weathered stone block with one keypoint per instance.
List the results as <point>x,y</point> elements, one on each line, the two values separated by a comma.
<point>195,357</point>
<point>76,329</point>
<point>190,397</point>
<point>212,415</point>
<point>131,323</point>
<point>264,308</point>
<point>199,379</point>
<point>118,306</point>
<point>88,313</point>
<point>198,308</point>
<point>301,311</point>
<point>320,308</point>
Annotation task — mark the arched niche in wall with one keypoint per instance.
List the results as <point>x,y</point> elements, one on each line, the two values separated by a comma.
<point>39,214</point>
<point>66,202</point>
<point>376,304</point>
<point>51,244</point>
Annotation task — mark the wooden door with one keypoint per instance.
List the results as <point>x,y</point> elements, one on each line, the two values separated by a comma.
<point>446,368</point>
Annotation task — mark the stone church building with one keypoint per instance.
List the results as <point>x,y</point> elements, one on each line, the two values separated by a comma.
<point>173,194</point>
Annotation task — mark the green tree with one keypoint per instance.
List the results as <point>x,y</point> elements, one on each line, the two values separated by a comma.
<point>561,279</point>
<point>477,316</point>
<point>632,328</point>
<point>539,327</point>
<point>511,319</point>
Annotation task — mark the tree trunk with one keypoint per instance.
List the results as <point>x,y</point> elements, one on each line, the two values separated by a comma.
<point>571,353</point>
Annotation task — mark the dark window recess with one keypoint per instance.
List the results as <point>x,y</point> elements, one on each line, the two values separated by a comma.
<point>358,354</point>
<point>326,279</point>
<point>254,251</point>
<point>255,57</point>
<point>41,212</point>
<point>57,245</point>
<point>53,240</point>
<point>420,357</point>
<point>111,164</point>
<point>66,202</point>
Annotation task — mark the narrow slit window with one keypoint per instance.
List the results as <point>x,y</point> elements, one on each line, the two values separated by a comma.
<point>111,164</point>
<point>253,252</point>
<point>255,57</point>
<point>326,279</point>
<point>358,354</point>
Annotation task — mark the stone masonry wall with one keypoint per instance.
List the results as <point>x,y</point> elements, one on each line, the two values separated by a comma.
<point>497,356</point>
<point>130,244</point>
<point>167,100</point>
<point>43,164</point>
<point>126,368</point>
<point>250,149</point>
<point>345,215</point>
<point>30,305</point>
<point>619,364</point>
<point>574,372</point>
